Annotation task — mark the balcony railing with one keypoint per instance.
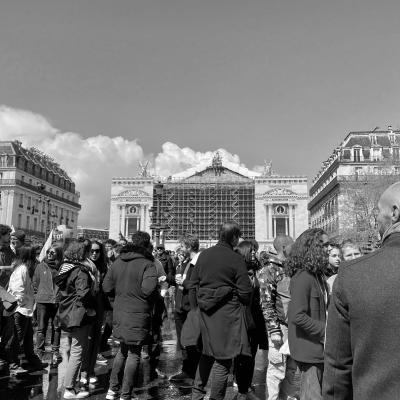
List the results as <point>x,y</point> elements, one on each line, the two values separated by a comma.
<point>18,182</point>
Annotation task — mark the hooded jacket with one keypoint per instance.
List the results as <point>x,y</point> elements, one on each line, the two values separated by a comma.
<point>132,279</point>
<point>76,300</point>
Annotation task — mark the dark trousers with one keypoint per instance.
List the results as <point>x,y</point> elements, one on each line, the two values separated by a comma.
<point>126,363</point>
<point>220,378</point>
<point>190,355</point>
<point>47,312</point>
<point>9,347</point>
<point>92,349</point>
<point>244,369</point>
<point>24,329</point>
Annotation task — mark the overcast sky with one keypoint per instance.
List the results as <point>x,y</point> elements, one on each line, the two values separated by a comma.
<point>114,82</point>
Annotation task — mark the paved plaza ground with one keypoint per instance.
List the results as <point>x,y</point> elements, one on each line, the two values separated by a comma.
<point>48,383</point>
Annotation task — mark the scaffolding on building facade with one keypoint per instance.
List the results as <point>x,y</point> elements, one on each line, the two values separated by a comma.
<point>200,205</point>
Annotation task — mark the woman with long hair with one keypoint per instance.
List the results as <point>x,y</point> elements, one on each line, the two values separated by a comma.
<point>98,262</point>
<point>20,286</point>
<point>244,365</point>
<point>47,301</point>
<point>306,266</point>
<point>76,311</point>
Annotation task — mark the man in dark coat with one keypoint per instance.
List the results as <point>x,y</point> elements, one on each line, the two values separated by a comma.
<point>362,339</point>
<point>223,287</point>
<point>132,279</point>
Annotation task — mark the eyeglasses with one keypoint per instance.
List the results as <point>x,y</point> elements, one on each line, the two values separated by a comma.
<point>95,251</point>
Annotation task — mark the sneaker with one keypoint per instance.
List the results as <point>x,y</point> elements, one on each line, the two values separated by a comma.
<point>179,377</point>
<point>75,394</point>
<point>93,379</point>
<point>101,360</point>
<point>157,374</point>
<point>111,395</point>
<point>18,371</point>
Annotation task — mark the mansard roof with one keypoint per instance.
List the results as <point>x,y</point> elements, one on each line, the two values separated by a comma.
<point>364,139</point>
<point>33,155</point>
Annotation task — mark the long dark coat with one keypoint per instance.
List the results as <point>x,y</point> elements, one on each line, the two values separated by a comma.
<point>132,279</point>
<point>223,288</point>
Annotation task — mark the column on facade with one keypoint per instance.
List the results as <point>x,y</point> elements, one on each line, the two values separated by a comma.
<point>266,219</point>
<point>293,221</point>
<point>123,230</point>
<point>144,225</point>
<point>290,221</point>
<point>270,221</point>
<point>141,222</point>
<point>4,205</point>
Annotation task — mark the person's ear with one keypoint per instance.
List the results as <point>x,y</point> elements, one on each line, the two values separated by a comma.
<point>395,214</point>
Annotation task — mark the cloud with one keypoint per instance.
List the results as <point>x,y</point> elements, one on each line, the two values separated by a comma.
<point>173,159</point>
<point>92,162</point>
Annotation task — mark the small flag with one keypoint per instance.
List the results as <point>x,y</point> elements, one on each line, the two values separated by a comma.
<point>46,246</point>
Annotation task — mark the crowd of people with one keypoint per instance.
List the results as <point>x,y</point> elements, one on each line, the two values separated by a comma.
<point>326,315</point>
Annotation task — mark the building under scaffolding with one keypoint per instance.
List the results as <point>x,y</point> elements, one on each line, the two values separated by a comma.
<point>202,203</point>
<point>199,200</point>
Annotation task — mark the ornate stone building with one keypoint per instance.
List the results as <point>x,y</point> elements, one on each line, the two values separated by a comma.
<point>36,194</point>
<point>345,192</point>
<point>200,199</point>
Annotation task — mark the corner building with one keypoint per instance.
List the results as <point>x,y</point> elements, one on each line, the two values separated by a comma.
<point>199,200</point>
<point>345,192</point>
<point>36,194</point>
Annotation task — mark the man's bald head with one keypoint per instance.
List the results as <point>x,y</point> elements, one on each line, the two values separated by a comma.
<point>389,208</point>
<point>282,245</point>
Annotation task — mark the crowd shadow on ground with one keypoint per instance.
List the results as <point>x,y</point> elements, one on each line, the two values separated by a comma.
<point>47,384</point>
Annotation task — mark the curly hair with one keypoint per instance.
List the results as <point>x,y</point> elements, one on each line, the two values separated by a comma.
<point>308,253</point>
<point>77,251</point>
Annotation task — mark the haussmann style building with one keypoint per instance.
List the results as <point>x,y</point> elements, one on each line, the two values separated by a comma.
<point>345,192</point>
<point>36,194</point>
<point>200,199</point>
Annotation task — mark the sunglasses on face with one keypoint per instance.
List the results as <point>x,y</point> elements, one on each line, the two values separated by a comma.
<point>95,251</point>
<point>51,252</point>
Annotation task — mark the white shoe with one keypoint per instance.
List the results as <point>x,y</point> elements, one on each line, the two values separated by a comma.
<point>111,395</point>
<point>93,379</point>
<point>75,394</point>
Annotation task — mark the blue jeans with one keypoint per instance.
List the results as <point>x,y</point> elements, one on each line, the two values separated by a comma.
<point>311,381</point>
<point>219,380</point>
<point>126,362</point>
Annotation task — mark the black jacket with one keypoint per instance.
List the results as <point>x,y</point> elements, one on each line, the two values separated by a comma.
<point>223,288</point>
<point>169,267</point>
<point>362,339</point>
<point>132,279</point>
<point>76,296</point>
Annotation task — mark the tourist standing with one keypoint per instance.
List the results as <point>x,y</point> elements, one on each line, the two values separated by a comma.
<point>244,365</point>
<point>132,279</point>
<point>20,286</point>
<point>188,256</point>
<point>223,287</point>
<point>47,301</point>
<point>76,311</point>
<point>306,265</point>
<point>98,266</point>
<point>275,298</point>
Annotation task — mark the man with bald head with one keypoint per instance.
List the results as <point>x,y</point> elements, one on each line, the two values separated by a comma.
<point>275,298</point>
<point>362,336</point>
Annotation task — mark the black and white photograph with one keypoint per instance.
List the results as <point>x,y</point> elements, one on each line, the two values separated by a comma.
<point>199,199</point>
